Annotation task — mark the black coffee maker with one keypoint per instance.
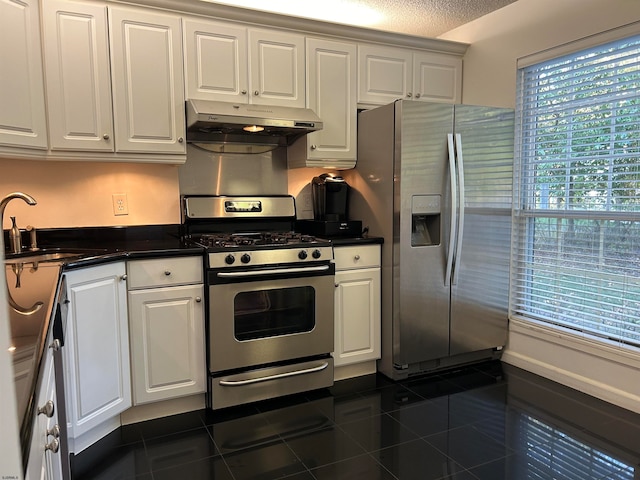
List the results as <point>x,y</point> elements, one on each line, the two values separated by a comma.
<point>330,194</point>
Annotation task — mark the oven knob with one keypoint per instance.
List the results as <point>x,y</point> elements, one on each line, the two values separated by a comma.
<point>316,253</point>
<point>302,254</point>
<point>245,258</point>
<point>229,259</point>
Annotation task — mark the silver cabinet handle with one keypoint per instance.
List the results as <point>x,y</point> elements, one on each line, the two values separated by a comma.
<point>336,285</point>
<point>54,431</point>
<point>409,95</point>
<point>198,299</point>
<point>180,140</point>
<point>48,409</point>
<point>106,136</point>
<point>256,93</point>
<point>55,345</point>
<point>356,258</point>
<point>53,445</point>
<point>243,92</point>
<point>313,147</point>
<point>417,95</point>
<point>249,381</point>
<point>167,272</point>
<point>123,277</point>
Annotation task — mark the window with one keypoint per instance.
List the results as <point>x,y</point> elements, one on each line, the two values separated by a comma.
<point>576,219</point>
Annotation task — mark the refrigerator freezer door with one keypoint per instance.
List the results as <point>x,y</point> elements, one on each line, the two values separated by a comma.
<point>480,295</point>
<point>421,292</point>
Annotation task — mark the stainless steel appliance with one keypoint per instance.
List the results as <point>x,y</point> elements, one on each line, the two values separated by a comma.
<point>435,181</point>
<point>270,298</point>
<point>224,127</point>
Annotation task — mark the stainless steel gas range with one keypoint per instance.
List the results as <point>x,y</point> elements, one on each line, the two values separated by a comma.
<point>270,297</point>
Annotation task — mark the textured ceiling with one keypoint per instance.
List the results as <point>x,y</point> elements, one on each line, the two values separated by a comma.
<point>425,18</point>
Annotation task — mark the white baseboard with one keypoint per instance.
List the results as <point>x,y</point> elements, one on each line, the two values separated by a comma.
<point>608,372</point>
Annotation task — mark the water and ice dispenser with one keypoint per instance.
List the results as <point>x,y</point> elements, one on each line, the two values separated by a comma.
<point>425,220</point>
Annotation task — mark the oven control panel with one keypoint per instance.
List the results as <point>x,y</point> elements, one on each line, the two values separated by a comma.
<point>240,258</point>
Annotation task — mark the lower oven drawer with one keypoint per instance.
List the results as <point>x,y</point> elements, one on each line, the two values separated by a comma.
<point>270,382</point>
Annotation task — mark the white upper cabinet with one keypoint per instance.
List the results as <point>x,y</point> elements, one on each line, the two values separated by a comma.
<point>231,63</point>
<point>277,68</point>
<point>78,80</point>
<point>148,84</point>
<point>390,73</point>
<point>22,109</point>
<point>216,61</point>
<point>384,74</point>
<point>331,93</point>
<point>437,77</point>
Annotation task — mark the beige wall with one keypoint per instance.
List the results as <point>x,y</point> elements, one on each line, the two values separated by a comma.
<point>78,194</point>
<point>528,26</point>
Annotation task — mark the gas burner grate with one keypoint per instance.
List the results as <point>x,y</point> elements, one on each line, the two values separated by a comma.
<point>221,240</point>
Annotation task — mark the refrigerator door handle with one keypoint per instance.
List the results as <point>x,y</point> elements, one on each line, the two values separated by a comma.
<point>454,208</point>
<point>458,251</point>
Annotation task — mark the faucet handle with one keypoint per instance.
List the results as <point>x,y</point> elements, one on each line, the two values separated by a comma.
<point>32,237</point>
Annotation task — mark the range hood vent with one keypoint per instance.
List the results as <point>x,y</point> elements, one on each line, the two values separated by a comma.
<point>240,128</point>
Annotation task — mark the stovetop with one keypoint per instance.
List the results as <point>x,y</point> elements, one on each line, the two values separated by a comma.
<point>222,241</point>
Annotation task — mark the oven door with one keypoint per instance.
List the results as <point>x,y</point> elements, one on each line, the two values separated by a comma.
<point>260,317</point>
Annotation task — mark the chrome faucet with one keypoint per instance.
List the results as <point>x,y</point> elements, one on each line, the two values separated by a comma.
<point>3,204</point>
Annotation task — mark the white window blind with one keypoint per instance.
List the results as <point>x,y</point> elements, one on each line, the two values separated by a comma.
<point>576,219</point>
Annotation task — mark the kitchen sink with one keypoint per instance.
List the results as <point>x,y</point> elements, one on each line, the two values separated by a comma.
<point>49,255</point>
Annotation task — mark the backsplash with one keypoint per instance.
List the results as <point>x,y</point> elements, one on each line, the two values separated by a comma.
<point>79,194</point>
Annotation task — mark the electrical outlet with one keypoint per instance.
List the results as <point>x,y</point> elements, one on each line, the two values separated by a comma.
<point>120,204</point>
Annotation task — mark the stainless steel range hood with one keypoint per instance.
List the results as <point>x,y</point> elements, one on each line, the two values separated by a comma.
<point>240,128</point>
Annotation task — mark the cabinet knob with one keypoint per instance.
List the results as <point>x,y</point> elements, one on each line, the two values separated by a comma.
<point>409,95</point>
<point>198,299</point>
<point>167,272</point>
<point>54,431</point>
<point>55,345</point>
<point>313,147</point>
<point>256,93</point>
<point>356,257</point>
<point>123,277</point>
<point>336,285</point>
<point>180,140</point>
<point>106,136</point>
<point>243,92</point>
<point>48,409</point>
<point>53,445</point>
<point>417,95</point>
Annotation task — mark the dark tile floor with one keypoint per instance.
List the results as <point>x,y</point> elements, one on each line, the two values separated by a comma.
<point>490,421</point>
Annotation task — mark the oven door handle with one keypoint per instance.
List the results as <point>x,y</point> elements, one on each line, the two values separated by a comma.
<point>256,273</point>
<point>249,381</point>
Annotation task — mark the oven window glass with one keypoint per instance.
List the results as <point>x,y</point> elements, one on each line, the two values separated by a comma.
<point>270,313</point>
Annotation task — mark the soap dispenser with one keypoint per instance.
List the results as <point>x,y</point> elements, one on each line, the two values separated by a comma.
<point>15,241</point>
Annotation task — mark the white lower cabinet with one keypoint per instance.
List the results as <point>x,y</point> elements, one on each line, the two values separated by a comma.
<point>45,461</point>
<point>166,321</point>
<point>357,304</point>
<point>96,353</point>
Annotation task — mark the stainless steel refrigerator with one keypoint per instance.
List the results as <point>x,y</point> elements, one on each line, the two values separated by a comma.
<point>435,181</point>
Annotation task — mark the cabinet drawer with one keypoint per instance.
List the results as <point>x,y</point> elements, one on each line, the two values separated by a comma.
<point>161,272</point>
<point>358,256</point>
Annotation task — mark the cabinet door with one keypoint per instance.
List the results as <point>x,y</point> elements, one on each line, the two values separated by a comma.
<point>216,61</point>
<point>357,316</point>
<point>167,342</point>
<point>147,78</point>
<point>385,74</point>
<point>96,350</point>
<point>437,77</point>
<point>331,93</point>
<point>78,81</point>
<point>277,68</point>
<point>22,112</point>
